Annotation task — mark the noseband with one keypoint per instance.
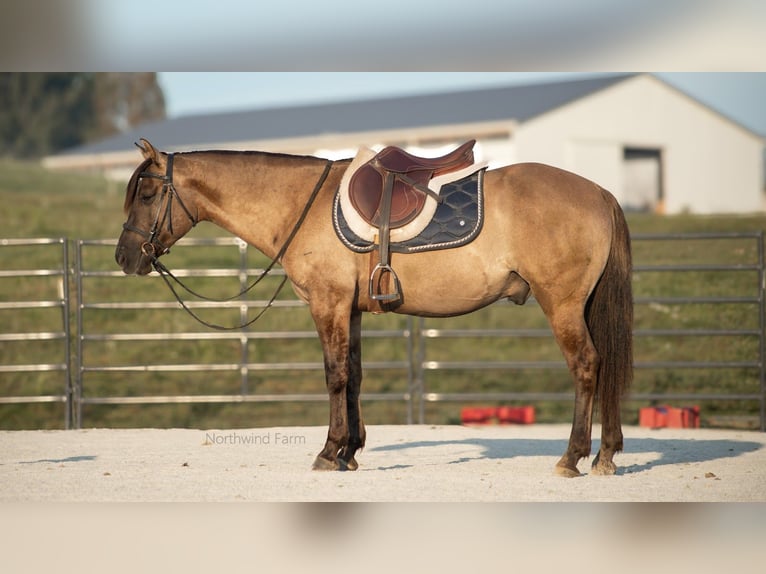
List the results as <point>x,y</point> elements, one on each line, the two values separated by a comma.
<point>152,244</point>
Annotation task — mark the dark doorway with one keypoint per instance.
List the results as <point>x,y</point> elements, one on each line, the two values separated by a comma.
<point>642,172</point>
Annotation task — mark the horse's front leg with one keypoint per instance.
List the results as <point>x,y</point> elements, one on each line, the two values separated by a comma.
<point>333,326</point>
<point>356,435</point>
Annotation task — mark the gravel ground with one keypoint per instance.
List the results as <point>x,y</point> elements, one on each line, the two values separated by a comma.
<point>399,463</point>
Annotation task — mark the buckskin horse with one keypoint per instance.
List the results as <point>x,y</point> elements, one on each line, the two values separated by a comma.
<point>545,232</point>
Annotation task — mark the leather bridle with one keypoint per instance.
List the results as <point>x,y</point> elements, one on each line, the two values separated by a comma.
<point>149,250</point>
<point>152,247</point>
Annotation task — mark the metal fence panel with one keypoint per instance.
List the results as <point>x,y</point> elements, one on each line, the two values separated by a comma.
<point>151,321</point>
<point>753,300</point>
<point>25,293</point>
<point>240,363</point>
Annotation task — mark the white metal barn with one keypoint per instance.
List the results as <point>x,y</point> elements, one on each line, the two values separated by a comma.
<point>650,144</point>
<point>652,147</point>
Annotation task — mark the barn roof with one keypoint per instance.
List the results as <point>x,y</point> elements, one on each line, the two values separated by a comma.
<point>518,102</point>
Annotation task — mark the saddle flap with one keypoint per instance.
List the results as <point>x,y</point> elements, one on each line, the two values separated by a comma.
<point>366,194</point>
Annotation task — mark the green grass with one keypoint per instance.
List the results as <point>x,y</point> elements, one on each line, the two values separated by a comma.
<point>43,204</point>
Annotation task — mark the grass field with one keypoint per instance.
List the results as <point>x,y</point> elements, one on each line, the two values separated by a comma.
<point>38,203</point>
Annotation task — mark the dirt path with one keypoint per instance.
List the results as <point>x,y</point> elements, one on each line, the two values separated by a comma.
<point>400,463</point>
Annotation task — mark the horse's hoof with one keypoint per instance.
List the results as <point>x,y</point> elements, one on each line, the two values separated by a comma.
<point>603,468</point>
<point>566,472</point>
<point>324,464</point>
<point>348,464</point>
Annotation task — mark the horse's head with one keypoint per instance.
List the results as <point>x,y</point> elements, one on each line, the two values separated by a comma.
<point>153,225</point>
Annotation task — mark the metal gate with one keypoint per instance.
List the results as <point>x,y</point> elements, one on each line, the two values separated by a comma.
<point>36,318</point>
<point>94,264</point>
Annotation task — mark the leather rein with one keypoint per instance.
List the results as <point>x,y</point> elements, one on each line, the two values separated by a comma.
<point>149,250</point>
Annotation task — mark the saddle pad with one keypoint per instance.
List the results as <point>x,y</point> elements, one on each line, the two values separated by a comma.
<point>362,229</point>
<point>455,222</point>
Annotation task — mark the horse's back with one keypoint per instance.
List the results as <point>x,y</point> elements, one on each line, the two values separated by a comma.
<point>538,182</point>
<point>540,197</point>
<point>555,222</point>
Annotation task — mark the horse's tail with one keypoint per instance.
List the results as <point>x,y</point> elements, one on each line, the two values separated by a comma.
<point>609,316</point>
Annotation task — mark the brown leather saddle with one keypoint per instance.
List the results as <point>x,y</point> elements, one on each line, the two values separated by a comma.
<point>409,179</point>
<point>388,192</point>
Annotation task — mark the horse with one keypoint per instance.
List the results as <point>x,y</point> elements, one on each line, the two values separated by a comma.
<point>547,233</point>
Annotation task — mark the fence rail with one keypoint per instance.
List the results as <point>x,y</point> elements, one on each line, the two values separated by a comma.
<point>416,359</point>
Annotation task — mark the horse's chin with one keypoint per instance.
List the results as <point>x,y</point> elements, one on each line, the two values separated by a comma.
<point>143,267</point>
<point>144,270</point>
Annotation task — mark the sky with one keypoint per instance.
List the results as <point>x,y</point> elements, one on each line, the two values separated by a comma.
<point>396,35</point>
<point>304,51</point>
<point>739,96</point>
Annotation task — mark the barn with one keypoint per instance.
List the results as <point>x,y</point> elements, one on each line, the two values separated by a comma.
<point>653,146</point>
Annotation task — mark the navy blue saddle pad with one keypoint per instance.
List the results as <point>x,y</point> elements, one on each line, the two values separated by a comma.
<point>457,221</point>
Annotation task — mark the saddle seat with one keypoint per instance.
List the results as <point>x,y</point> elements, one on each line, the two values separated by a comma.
<point>398,160</point>
<point>408,175</point>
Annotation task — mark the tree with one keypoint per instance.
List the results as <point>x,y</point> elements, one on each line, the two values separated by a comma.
<point>42,113</point>
<point>123,101</point>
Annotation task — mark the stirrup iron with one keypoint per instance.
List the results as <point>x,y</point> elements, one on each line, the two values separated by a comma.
<point>379,271</point>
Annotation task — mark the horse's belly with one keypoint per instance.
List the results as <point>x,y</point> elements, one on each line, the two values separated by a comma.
<point>450,291</point>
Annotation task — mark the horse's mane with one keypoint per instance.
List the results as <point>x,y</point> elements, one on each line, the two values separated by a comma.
<point>132,187</point>
<point>130,192</point>
<point>253,153</point>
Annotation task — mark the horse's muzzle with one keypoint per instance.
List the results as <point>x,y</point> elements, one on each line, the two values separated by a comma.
<point>140,265</point>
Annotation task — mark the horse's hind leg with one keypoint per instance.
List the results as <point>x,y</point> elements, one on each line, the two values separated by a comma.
<point>611,443</point>
<point>356,431</point>
<point>572,335</point>
<point>611,436</point>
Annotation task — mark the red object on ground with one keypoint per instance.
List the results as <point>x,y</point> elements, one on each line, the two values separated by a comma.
<point>503,415</point>
<point>517,415</point>
<point>670,417</point>
<point>477,415</point>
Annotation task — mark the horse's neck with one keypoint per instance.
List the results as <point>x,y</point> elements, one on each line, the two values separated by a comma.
<point>259,197</point>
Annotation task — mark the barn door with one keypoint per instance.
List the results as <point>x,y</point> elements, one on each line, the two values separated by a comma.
<point>642,183</point>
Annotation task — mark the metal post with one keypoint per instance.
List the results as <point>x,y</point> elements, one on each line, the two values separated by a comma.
<point>79,359</point>
<point>67,332</point>
<point>419,375</point>
<point>244,371</point>
<point>409,334</point>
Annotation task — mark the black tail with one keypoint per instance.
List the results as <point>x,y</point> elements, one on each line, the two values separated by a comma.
<point>609,316</point>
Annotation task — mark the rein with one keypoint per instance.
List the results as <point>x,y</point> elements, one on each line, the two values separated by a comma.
<point>149,250</point>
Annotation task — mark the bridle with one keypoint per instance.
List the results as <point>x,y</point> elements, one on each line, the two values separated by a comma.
<point>149,250</point>
<point>168,190</point>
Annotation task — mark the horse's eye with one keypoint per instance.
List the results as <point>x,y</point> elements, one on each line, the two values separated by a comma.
<point>148,197</point>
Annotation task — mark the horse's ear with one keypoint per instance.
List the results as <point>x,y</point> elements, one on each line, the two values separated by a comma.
<point>147,150</point>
